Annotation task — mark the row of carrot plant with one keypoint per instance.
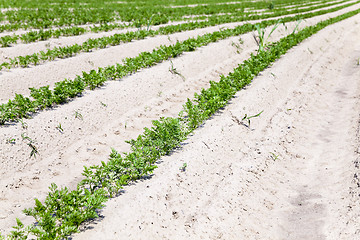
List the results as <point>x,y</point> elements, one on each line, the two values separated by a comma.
<point>96,3</point>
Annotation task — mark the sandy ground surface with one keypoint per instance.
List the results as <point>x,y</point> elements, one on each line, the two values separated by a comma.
<point>232,188</point>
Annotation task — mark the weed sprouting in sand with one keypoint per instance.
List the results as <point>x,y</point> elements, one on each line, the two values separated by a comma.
<point>173,70</point>
<point>31,144</point>
<point>296,26</point>
<point>183,167</point>
<point>274,156</point>
<point>23,124</point>
<point>11,141</point>
<point>247,118</point>
<point>78,115</point>
<point>59,127</point>
<point>261,40</point>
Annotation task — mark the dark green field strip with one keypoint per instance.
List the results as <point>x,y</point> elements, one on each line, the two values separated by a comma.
<point>42,35</point>
<point>96,3</point>
<point>139,15</point>
<point>116,39</point>
<point>27,4</point>
<point>63,210</point>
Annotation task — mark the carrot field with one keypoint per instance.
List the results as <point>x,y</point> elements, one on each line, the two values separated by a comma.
<point>182,119</point>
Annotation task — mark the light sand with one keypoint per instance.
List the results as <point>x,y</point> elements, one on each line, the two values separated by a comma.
<point>232,188</point>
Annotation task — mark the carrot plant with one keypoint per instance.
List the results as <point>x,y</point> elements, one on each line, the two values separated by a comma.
<point>63,211</point>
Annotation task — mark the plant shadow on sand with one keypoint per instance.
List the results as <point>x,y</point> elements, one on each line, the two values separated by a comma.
<point>91,224</point>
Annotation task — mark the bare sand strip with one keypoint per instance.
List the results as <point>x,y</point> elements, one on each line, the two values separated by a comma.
<point>233,188</point>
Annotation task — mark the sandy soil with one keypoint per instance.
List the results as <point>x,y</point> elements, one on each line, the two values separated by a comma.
<point>232,188</point>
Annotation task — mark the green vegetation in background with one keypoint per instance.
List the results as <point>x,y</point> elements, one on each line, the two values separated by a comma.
<point>48,15</point>
<point>116,39</point>
<point>44,34</point>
